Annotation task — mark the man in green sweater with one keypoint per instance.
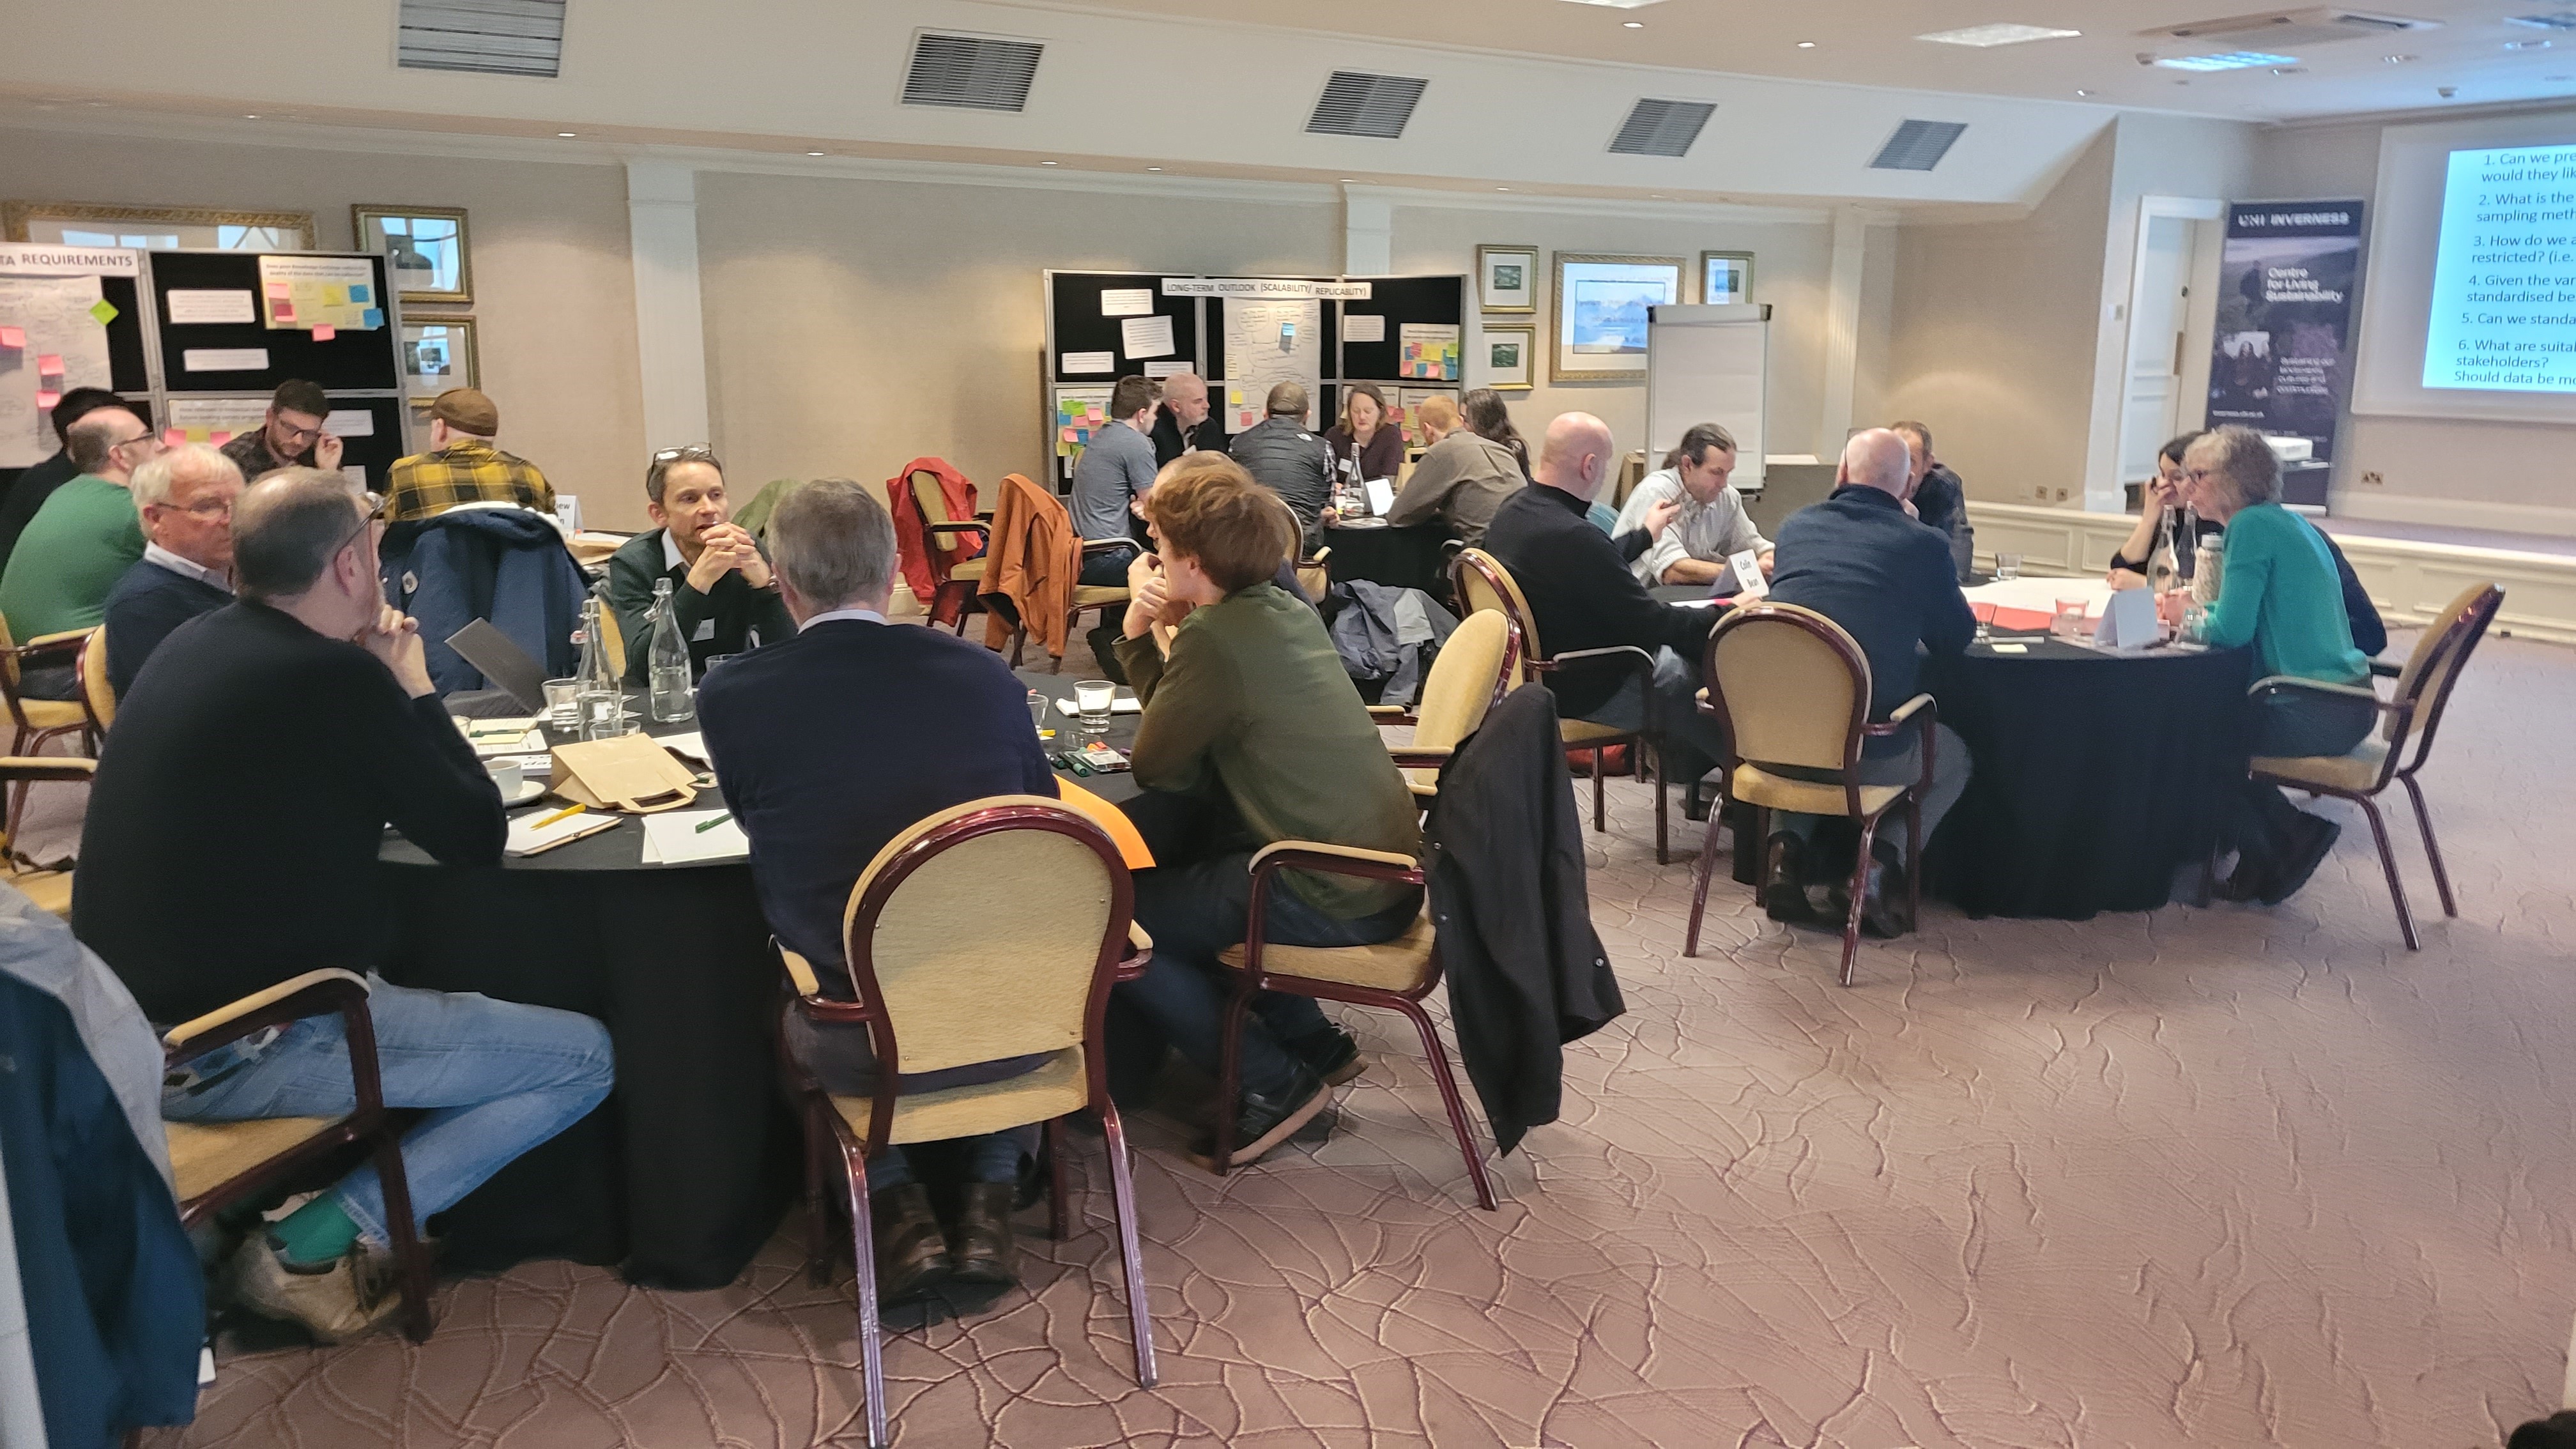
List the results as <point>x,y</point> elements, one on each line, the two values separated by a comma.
<point>1251,714</point>
<point>82,541</point>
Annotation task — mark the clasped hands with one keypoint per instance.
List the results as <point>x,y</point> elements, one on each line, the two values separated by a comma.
<point>723,549</point>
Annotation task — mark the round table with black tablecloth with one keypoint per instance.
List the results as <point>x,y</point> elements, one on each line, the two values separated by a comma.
<point>1118,787</point>
<point>684,1172</point>
<point>2098,775</point>
<point>1400,558</point>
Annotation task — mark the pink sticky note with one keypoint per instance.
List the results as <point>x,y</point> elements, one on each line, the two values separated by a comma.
<point>277,289</point>
<point>45,401</point>
<point>324,332</point>
<point>13,337</point>
<point>220,438</point>
<point>173,437</point>
<point>285,312</point>
<point>50,362</point>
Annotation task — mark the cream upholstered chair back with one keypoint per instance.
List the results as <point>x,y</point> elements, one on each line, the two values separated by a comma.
<point>1466,678</point>
<point>1483,584</point>
<point>2444,646</point>
<point>980,932</point>
<point>8,653</point>
<point>96,692</point>
<point>1790,685</point>
<point>926,495</point>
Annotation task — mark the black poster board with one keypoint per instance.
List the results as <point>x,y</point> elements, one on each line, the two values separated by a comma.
<point>1077,326</point>
<point>354,360</point>
<point>1432,300</point>
<point>378,450</point>
<point>129,371</point>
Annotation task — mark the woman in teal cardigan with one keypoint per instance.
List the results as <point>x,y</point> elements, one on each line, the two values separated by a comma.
<point>2279,592</point>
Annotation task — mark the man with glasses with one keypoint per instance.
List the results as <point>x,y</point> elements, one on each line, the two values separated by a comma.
<point>295,724</point>
<point>186,497</point>
<point>721,587</point>
<point>38,483</point>
<point>80,543</point>
<point>292,436</point>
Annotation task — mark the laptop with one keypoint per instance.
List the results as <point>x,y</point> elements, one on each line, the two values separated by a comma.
<point>504,664</point>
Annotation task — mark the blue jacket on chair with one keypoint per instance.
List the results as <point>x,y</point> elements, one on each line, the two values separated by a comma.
<point>507,565</point>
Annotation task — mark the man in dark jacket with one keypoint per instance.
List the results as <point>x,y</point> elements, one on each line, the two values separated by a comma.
<point>1858,559</point>
<point>186,496</point>
<point>1185,423</point>
<point>722,591</point>
<point>1940,499</point>
<point>1583,596</point>
<point>1283,456</point>
<point>1526,970</point>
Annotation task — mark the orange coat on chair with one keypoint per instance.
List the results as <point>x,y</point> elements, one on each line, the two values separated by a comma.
<point>925,564</point>
<point>1035,562</point>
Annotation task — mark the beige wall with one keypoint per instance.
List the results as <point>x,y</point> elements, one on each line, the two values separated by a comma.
<point>1994,333</point>
<point>554,298</point>
<point>853,325</point>
<point>1791,266</point>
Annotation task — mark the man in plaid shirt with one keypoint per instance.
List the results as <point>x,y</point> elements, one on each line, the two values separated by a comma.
<point>462,466</point>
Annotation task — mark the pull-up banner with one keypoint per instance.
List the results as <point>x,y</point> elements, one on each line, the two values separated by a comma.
<point>2286,282</point>
<point>1278,288</point>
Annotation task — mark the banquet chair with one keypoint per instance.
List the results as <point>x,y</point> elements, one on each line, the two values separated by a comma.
<point>97,693</point>
<point>1100,598</point>
<point>1481,583</point>
<point>217,1164</point>
<point>965,577</point>
<point>2423,689</point>
<point>40,722</point>
<point>50,887</point>
<point>1789,689</point>
<point>1390,975</point>
<point>1315,575</point>
<point>612,642</point>
<point>1469,676</point>
<point>992,929</point>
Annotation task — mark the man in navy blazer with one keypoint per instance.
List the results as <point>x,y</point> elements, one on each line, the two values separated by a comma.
<point>818,745</point>
<point>186,498</point>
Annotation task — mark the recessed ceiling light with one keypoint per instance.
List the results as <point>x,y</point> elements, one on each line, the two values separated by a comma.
<point>93,103</point>
<point>2396,59</point>
<point>2556,20</point>
<point>567,134</point>
<point>1618,4</point>
<point>2227,60</point>
<point>2084,93</point>
<point>1806,45</point>
<point>250,118</point>
<point>2526,45</point>
<point>2289,70</point>
<point>1046,163</point>
<point>1982,36</point>
<point>1632,25</point>
<point>1502,188</point>
<point>1153,168</point>
<point>813,153</point>
<point>1658,196</point>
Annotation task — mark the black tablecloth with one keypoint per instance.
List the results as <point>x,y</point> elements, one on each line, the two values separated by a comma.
<point>2097,775</point>
<point>1402,558</point>
<point>683,1173</point>
<point>1117,788</point>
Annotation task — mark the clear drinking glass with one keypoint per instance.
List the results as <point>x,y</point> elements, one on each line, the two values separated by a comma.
<point>563,710</point>
<point>2007,566</point>
<point>1037,711</point>
<point>1092,699</point>
<point>2068,621</point>
<point>603,716</point>
<point>1985,614</point>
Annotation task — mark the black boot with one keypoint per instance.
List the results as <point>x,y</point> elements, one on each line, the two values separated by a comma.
<point>1784,890</point>
<point>980,1250</point>
<point>1266,1121</point>
<point>912,1253</point>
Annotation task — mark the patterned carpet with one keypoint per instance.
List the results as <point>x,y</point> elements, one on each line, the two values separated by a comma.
<point>2230,1176</point>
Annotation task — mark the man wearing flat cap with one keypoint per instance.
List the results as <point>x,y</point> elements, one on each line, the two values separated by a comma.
<point>462,466</point>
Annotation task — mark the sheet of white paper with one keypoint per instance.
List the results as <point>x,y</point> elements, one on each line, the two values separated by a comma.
<point>1268,343</point>
<point>1085,364</point>
<point>189,305</point>
<point>356,473</point>
<point>203,417</point>
<point>350,423</point>
<point>674,838</point>
<point>225,359</point>
<point>1126,301</point>
<point>692,744</point>
<point>1707,603</point>
<point>54,313</point>
<point>2040,596</point>
<point>2012,649</point>
<point>526,835</point>
<point>1122,704</point>
<point>1381,495</point>
<point>1141,337</point>
<point>1167,367</point>
<point>1363,327</point>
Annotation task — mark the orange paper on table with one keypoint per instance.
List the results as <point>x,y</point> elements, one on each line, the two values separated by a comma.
<point>2021,620</point>
<point>1111,819</point>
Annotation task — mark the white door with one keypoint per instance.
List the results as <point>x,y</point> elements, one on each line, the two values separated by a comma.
<point>2151,398</point>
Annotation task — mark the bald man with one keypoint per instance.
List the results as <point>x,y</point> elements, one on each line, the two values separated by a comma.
<point>1861,559</point>
<point>1582,596</point>
<point>1186,424</point>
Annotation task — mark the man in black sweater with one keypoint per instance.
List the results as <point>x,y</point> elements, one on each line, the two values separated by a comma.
<point>1862,560</point>
<point>1583,596</point>
<point>284,732</point>
<point>186,496</point>
<point>1185,424</point>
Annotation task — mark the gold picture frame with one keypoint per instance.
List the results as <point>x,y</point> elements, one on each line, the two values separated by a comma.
<point>1520,340</point>
<point>1601,300</point>
<point>19,221</point>
<point>1506,279</point>
<point>438,353</point>
<point>429,258</point>
<point>1738,269</point>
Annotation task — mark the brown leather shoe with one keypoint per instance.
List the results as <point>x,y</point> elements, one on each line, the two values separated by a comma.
<point>912,1253</point>
<point>980,1250</point>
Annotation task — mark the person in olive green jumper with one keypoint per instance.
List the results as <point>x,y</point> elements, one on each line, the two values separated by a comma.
<point>82,541</point>
<point>1251,713</point>
<point>2279,592</point>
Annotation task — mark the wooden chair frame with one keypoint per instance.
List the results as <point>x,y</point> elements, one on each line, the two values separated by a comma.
<point>1251,979</point>
<point>31,738</point>
<point>1091,547</point>
<point>1917,713</point>
<point>937,534</point>
<point>318,993</point>
<point>1646,739</point>
<point>2460,639</point>
<point>1123,956</point>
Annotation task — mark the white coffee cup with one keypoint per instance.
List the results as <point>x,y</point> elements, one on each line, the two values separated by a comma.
<point>505,777</point>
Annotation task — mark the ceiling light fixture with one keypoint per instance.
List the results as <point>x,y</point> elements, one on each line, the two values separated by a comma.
<point>1806,45</point>
<point>1618,4</point>
<point>1632,25</point>
<point>1983,36</point>
<point>2083,93</point>
<point>2539,44</point>
<point>2555,20</point>
<point>566,135</point>
<point>813,153</point>
<point>2228,60</point>
<point>1046,163</point>
<point>2396,59</point>
<point>250,118</point>
<point>2289,70</point>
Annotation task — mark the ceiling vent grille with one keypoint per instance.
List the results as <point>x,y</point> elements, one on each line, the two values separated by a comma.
<point>2279,29</point>
<point>1357,103</point>
<point>496,37</point>
<point>1661,128</point>
<point>1917,146</point>
<point>971,72</point>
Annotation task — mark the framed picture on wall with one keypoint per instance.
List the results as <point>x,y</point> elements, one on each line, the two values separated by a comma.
<point>1601,304</point>
<point>1508,356</point>
<point>1507,279</point>
<point>438,355</point>
<point>426,245</point>
<point>1726,276</point>
<point>156,228</point>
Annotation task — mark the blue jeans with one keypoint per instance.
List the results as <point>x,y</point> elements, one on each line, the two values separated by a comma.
<point>1693,744</point>
<point>499,1079</point>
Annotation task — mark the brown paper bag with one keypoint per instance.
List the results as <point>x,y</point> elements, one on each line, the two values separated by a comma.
<point>632,773</point>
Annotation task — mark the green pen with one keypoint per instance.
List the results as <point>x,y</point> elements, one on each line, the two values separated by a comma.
<point>704,826</point>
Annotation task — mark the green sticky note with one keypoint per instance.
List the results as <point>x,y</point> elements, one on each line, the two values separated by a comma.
<point>105,311</point>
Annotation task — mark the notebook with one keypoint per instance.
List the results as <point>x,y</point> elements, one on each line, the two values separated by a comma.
<point>504,663</point>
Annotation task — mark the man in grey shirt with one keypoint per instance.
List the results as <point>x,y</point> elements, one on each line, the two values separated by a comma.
<point>1712,526</point>
<point>1115,470</point>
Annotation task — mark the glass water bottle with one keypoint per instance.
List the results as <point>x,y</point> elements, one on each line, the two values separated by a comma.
<point>670,660</point>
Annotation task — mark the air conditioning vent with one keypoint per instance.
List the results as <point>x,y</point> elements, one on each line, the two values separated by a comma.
<point>1917,146</point>
<point>1356,103</point>
<point>495,37</point>
<point>1661,128</point>
<point>2287,30</point>
<point>971,72</point>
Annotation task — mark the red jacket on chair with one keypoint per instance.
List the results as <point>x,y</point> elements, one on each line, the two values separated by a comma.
<point>925,565</point>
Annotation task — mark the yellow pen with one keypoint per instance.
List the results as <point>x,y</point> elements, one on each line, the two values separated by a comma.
<point>565,813</point>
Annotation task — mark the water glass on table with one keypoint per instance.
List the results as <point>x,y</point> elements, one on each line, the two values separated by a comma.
<point>1037,712</point>
<point>2007,566</point>
<point>2067,622</point>
<point>1985,613</point>
<point>1092,699</point>
<point>563,704</point>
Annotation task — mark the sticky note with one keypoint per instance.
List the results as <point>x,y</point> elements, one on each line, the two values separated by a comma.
<point>220,438</point>
<point>324,332</point>
<point>1067,435</point>
<point>335,296</point>
<point>45,401</point>
<point>103,311</point>
<point>285,311</point>
<point>372,317</point>
<point>50,362</point>
<point>172,437</point>
<point>13,337</point>
<point>277,289</point>
<point>358,293</point>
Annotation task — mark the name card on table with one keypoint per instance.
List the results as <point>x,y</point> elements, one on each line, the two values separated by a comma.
<point>1749,583</point>
<point>2129,621</point>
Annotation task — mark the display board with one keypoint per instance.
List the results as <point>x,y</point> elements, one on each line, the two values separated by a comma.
<point>69,317</point>
<point>1709,364</point>
<point>221,354</point>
